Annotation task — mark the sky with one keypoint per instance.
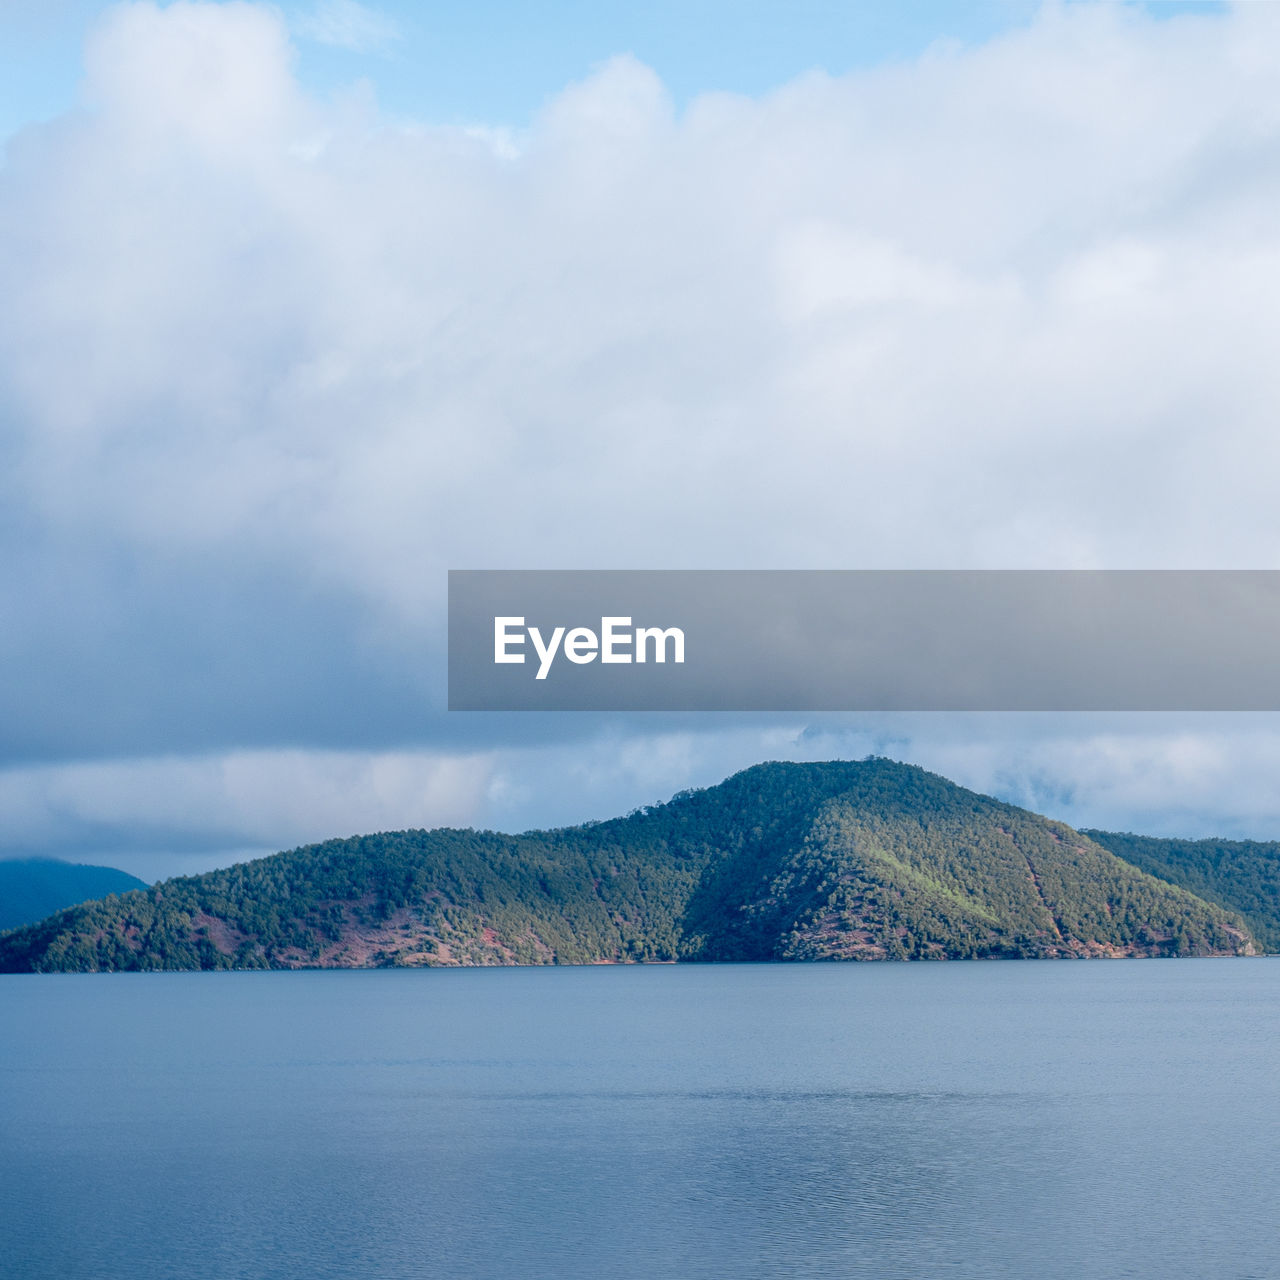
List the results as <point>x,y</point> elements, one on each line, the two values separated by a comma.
<point>499,61</point>
<point>303,305</point>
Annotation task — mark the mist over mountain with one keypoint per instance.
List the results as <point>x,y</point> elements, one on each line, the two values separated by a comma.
<point>842,860</point>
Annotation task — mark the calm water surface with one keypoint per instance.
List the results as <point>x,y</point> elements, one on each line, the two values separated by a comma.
<point>985,1120</point>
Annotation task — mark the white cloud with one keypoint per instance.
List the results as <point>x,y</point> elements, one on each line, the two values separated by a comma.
<point>1158,775</point>
<point>1009,306</point>
<point>1005,306</point>
<point>202,811</point>
<point>348,25</point>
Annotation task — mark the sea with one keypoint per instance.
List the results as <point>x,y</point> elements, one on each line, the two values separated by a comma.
<point>1035,1120</point>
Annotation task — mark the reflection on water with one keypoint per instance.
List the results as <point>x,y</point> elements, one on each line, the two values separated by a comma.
<point>1024,1119</point>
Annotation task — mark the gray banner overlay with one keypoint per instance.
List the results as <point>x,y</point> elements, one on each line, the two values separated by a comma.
<point>865,640</point>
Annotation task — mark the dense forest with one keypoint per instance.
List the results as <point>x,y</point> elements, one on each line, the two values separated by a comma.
<point>1241,875</point>
<point>865,860</point>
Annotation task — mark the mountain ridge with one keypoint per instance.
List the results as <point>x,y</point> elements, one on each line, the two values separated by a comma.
<point>835,860</point>
<point>33,888</point>
<point>1240,875</point>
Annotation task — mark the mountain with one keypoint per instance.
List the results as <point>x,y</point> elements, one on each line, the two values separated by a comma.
<point>32,888</point>
<point>867,860</point>
<point>1241,875</point>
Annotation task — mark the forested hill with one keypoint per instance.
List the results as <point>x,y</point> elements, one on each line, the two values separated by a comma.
<point>32,888</point>
<point>868,860</point>
<point>1241,875</point>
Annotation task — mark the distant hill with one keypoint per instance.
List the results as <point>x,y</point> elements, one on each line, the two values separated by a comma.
<point>869,860</point>
<point>1241,875</point>
<point>32,888</point>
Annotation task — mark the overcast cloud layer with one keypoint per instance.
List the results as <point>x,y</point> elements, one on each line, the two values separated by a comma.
<point>270,365</point>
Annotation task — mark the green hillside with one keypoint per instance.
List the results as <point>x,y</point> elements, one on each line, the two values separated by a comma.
<point>32,888</point>
<point>867,860</point>
<point>1241,875</point>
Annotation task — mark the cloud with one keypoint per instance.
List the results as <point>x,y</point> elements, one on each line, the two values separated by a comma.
<point>344,24</point>
<point>163,816</point>
<point>269,365</point>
